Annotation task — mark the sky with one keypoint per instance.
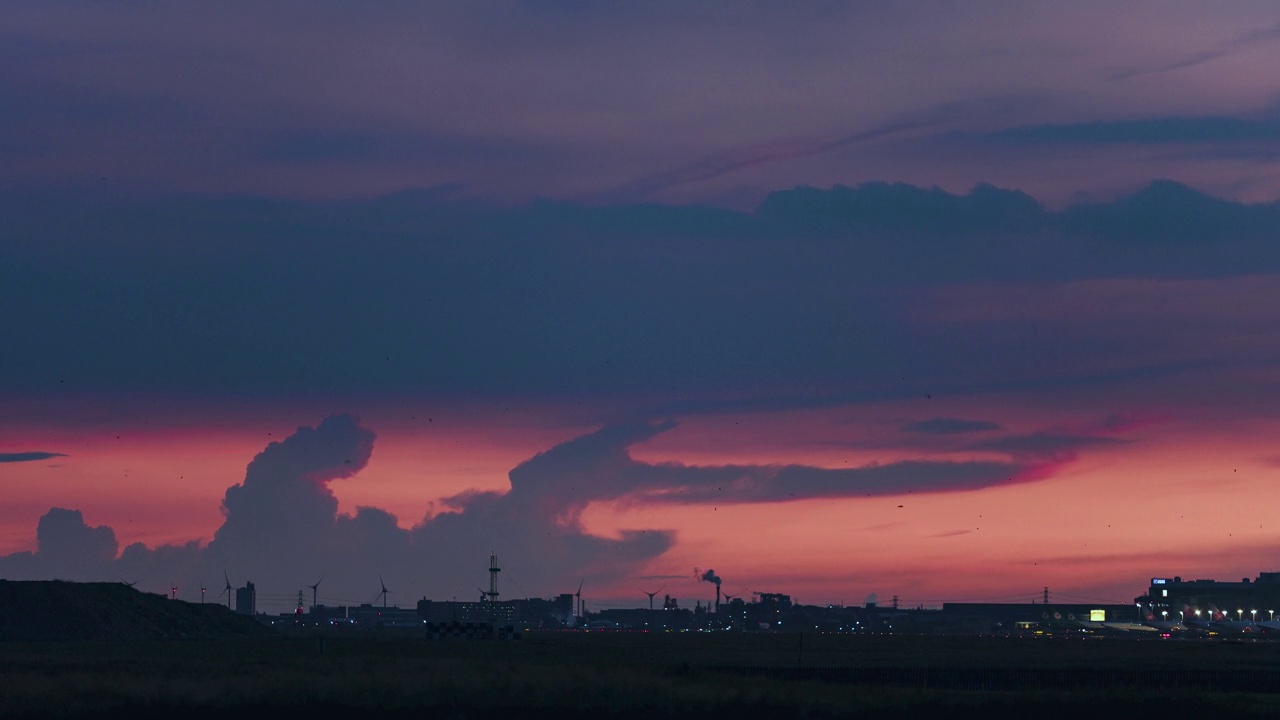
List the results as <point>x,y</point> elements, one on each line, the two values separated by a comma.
<point>933,300</point>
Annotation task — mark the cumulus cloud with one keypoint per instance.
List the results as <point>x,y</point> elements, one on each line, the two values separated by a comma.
<point>285,496</point>
<point>282,527</point>
<point>66,548</point>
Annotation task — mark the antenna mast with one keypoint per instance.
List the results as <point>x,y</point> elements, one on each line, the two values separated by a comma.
<point>493,578</point>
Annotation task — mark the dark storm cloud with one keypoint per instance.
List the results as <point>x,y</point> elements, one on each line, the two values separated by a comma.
<point>415,293</point>
<point>28,456</point>
<point>950,426</point>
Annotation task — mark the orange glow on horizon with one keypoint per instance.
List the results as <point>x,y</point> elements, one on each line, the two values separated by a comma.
<point>1185,497</point>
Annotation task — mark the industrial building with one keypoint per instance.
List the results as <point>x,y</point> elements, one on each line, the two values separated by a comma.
<point>1175,599</point>
<point>997,617</point>
<point>247,600</point>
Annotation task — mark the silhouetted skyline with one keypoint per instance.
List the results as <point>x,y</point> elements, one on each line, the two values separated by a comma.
<point>940,302</point>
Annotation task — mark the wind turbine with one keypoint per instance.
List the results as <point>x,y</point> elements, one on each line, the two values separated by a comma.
<point>651,594</point>
<point>579,596</point>
<point>128,584</point>
<point>173,592</point>
<point>382,594</point>
<point>202,589</point>
<point>315,588</point>
<point>228,590</point>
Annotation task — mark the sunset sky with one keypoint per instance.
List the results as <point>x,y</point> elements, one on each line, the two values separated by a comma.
<point>948,301</point>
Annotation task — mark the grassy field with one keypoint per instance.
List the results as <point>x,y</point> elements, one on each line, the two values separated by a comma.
<point>399,674</point>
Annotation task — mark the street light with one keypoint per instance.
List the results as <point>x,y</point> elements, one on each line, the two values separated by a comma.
<point>1240,614</point>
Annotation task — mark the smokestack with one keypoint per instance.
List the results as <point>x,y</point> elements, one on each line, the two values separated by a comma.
<point>711,577</point>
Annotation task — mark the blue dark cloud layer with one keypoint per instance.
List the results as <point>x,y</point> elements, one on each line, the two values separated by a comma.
<point>416,293</point>
<point>28,456</point>
<point>950,426</point>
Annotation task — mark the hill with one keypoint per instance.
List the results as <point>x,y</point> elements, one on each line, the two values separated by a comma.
<point>60,610</point>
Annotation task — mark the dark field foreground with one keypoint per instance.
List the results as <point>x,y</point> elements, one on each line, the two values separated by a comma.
<point>401,675</point>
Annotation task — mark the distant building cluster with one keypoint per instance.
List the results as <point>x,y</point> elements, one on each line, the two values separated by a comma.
<point>1170,606</point>
<point>1244,604</point>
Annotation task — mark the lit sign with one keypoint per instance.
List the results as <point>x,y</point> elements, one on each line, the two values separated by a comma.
<point>1158,581</point>
<point>1097,615</point>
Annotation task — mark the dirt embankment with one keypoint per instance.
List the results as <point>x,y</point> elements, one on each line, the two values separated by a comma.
<point>60,610</point>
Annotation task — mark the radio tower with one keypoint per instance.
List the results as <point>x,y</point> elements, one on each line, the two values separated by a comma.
<point>493,578</point>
